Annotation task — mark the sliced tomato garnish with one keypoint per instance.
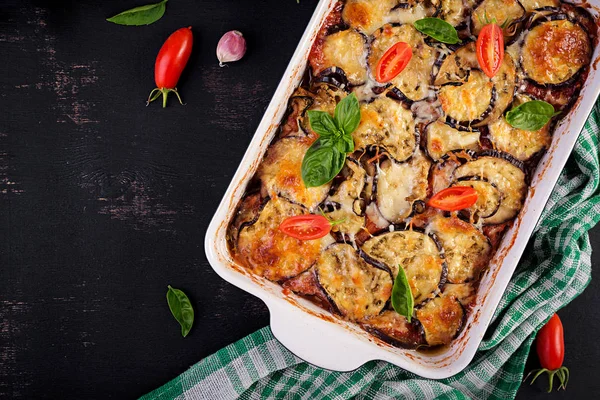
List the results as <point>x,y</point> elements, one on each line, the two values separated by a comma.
<point>393,62</point>
<point>454,198</point>
<point>490,49</point>
<point>306,227</point>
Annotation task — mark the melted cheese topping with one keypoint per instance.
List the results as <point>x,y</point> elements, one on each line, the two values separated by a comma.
<point>469,101</point>
<point>346,50</point>
<point>489,198</point>
<point>348,198</point>
<point>442,138</point>
<point>554,51</point>
<point>509,179</point>
<point>416,252</point>
<point>357,289</point>
<point>386,124</point>
<point>441,319</point>
<point>499,10</point>
<point>281,173</point>
<point>451,11</point>
<point>399,185</point>
<point>367,15</point>
<point>273,254</point>
<point>464,293</point>
<point>467,250</point>
<point>415,79</point>
<point>520,143</point>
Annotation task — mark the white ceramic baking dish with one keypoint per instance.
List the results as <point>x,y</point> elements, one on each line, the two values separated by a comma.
<point>329,342</point>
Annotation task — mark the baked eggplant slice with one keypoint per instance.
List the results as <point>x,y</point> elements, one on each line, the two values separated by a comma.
<point>466,249</point>
<point>367,15</point>
<point>519,143</point>
<point>442,319</point>
<point>387,126</point>
<point>247,214</point>
<point>489,197</point>
<point>299,103</point>
<point>503,11</point>
<point>507,174</point>
<point>271,253</point>
<point>471,101</point>
<point>532,5</point>
<point>457,69</point>
<point>357,289</point>
<point>414,81</point>
<point>399,185</point>
<point>442,138</point>
<point>555,51</point>
<point>348,200</point>
<point>465,293</point>
<point>280,173</point>
<point>451,11</point>
<point>395,329</point>
<point>344,49</point>
<point>420,255</point>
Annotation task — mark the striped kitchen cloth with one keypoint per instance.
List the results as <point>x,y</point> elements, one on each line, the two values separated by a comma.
<point>556,267</point>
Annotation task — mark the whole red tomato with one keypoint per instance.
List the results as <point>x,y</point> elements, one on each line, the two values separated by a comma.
<point>550,347</point>
<point>170,62</point>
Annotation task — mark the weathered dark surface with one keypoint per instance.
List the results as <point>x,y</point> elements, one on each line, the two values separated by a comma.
<point>105,201</point>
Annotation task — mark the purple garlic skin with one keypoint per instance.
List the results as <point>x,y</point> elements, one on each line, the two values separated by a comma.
<point>231,47</point>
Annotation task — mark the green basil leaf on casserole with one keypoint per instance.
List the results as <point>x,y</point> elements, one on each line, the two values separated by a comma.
<point>322,123</point>
<point>402,298</point>
<point>321,164</point>
<point>438,29</point>
<point>530,116</point>
<point>181,308</point>
<point>347,115</point>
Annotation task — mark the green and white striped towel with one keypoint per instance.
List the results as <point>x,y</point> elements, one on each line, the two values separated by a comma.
<point>555,269</point>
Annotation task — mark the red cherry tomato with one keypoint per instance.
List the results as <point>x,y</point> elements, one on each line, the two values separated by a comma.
<point>490,49</point>
<point>170,62</point>
<point>550,347</point>
<point>393,62</point>
<point>306,227</point>
<point>550,344</point>
<point>454,198</point>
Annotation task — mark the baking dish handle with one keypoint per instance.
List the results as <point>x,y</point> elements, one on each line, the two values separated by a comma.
<point>317,341</point>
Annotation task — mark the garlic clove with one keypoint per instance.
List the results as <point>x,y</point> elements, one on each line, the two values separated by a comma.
<point>231,47</point>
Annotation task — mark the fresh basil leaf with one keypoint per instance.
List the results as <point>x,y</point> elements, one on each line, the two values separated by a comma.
<point>347,143</point>
<point>143,15</point>
<point>322,123</point>
<point>530,116</point>
<point>181,308</point>
<point>402,298</point>
<point>321,164</point>
<point>438,29</point>
<point>347,114</point>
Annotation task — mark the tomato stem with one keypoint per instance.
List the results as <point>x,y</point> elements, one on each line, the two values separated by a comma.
<point>562,373</point>
<point>156,92</point>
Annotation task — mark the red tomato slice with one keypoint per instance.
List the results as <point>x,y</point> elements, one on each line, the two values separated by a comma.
<point>393,62</point>
<point>454,198</point>
<point>490,49</point>
<point>306,227</point>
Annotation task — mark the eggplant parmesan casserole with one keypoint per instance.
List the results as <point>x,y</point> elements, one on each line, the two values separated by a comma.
<point>441,123</point>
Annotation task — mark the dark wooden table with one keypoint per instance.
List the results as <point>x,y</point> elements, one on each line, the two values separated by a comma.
<point>104,202</point>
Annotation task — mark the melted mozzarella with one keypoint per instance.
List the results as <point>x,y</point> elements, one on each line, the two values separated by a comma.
<point>399,185</point>
<point>281,173</point>
<point>503,11</point>
<point>356,288</point>
<point>416,253</point>
<point>273,254</point>
<point>442,319</point>
<point>554,51</point>
<point>442,138</point>
<point>386,124</point>
<point>346,50</point>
